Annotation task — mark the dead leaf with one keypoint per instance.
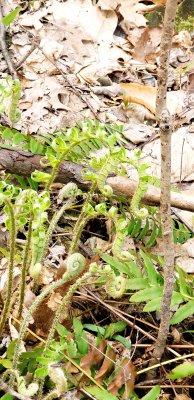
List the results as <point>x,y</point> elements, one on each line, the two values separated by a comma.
<point>125,376</point>
<point>54,301</point>
<point>94,357</point>
<point>143,46</point>
<point>159,3</point>
<point>182,155</point>
<point>132,11</point>
<point>176,335</point>
<point>182,397</point>
<point>138,133</point>
<point>140,94</point>
<point>107,365</point>
<point>186,263</point>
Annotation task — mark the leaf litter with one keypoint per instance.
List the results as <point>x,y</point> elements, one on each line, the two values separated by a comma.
<point>98,45</point>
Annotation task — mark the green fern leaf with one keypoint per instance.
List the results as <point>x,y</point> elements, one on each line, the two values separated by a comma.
<point>183,312</point>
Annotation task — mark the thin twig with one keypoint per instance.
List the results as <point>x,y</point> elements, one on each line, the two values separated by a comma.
<point>113,310</point>
<point>3,47</point>
<point>139,386</point>
<point>24,58</point>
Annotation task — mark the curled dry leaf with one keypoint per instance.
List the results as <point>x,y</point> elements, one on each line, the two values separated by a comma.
<point>139,94</point>
<point>125,376</point>
<point>94,357</point>
<point>107,365</point>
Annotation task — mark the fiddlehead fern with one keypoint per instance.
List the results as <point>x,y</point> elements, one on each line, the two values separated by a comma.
<point>14,113</point>
<point>12,224</point>
<point>140,213</point>
<point>75,264</point>
<point>102,175</point>
<point>58,377</point>
<point>115,285</point>
<point>29,391</point>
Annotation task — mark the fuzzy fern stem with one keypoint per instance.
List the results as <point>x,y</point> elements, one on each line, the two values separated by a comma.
<point>52,395</point>
<point>64,305</point>
<point>27,318</point>
<point>69,274</point>
<point>5,313</point>
<point>56,217</point>
<point>82,220</point>
<point>26,258</point>
<point>58,163</point>
<point>61,310</point>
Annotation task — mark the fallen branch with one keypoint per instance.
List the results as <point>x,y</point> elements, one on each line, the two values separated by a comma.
<point>24,163</point>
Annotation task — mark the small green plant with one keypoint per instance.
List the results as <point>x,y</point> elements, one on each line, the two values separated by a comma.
<point>10,89</point>
<point>27,210</point>
<point>9,18</point>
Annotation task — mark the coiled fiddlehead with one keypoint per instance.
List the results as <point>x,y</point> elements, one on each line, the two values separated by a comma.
<point>137,212</point>
<point>115,285</point>
<point>121,232</point>
<point>75,264</point>
<point>29,391</point>
<point>68,191</point>
<point>58,377</point>
<point>142,186</point>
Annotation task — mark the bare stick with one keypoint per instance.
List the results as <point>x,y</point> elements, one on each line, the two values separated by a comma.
<point>4,48</point>
<point>165,125</point>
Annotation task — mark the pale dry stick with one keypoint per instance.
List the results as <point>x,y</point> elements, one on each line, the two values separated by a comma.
<point>164,386</point>
<point>181,358</point>
<point>173,346</point>
<point>3,47</point>
<point>120,315</point>
<point>165,126</point>
<point>24,58</point>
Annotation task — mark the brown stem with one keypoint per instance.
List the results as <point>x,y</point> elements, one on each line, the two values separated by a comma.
<point>3,47</point>
<point>165,125</point>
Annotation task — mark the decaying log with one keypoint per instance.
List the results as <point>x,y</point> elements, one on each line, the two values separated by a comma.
<point>24,163</point>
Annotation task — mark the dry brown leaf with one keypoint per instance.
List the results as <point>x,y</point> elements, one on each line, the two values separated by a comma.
<point>182,397</point>
<point>140,94</point>
<point>94,357</point>
<point>143,46</point>
<point>125,376</point>
<point>159,3</point>
<point>107,365</point>
<point>132,12</point>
